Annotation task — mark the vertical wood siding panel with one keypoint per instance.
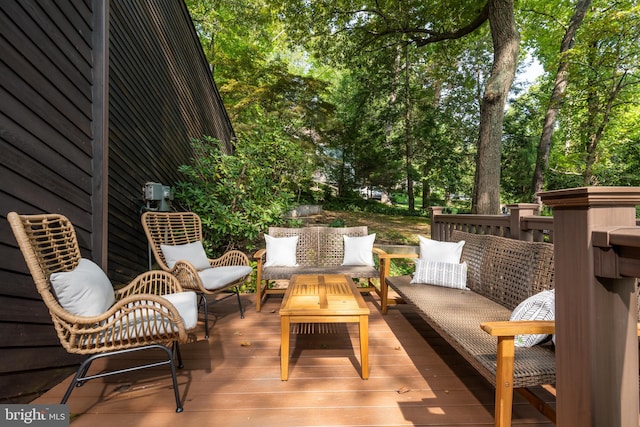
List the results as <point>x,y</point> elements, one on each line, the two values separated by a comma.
<point>161,96</point>
<point>45,139</point>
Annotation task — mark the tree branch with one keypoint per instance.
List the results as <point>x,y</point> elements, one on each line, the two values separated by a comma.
<point>436,37</point>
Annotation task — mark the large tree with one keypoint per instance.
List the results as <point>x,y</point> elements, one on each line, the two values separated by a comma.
<point>559,88</point>
<point>506,46</point>
<point>369,25</point>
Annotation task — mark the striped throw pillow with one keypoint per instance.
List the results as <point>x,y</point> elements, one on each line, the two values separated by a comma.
<point>438,273</point>
<point>541,306</point>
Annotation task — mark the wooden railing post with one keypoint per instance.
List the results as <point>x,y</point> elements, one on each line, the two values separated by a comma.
<point>518,211</point>
<point>596,329</point>
<point>435,228</point>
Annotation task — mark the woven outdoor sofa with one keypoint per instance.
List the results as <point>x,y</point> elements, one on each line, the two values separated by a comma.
<point>501,274</point>
<point>319,250</point>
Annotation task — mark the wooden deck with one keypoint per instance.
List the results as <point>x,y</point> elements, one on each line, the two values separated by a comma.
<point>233,378</point>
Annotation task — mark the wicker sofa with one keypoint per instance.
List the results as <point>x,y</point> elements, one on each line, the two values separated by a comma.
<point>501,273</point>
<point>320,250</point>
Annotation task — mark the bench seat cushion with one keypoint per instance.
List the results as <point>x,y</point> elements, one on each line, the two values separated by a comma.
<point>284,273</point>
<point>456,315</point>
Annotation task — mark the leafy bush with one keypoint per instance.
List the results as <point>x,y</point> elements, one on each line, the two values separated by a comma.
<point>239,196</point>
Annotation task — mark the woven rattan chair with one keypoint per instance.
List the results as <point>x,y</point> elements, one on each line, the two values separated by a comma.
<point>151,312</point>
<point>166,230</point>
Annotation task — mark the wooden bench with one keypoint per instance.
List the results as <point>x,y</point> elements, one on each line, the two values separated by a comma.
<point>320,250</point>
<point>501,273</point>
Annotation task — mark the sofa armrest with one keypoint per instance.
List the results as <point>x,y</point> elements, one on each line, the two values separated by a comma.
<point>505,356</point>
<point>511,328</point>
<point>385,266</point>
<point>260,253</point>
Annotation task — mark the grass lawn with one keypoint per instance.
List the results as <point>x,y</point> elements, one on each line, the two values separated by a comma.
<point>389,229</point>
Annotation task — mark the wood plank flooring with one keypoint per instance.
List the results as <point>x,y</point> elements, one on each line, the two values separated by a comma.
<point>233,378</point>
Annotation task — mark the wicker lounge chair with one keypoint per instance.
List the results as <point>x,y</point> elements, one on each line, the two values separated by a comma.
<point>91,318</point>
<point>178,230</point>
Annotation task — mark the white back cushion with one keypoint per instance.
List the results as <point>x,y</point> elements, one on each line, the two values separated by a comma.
<point>434,250</point>
<point>281,251</point>
<point>191,252</point>
<point>84,291</point>
<point>358,250</point>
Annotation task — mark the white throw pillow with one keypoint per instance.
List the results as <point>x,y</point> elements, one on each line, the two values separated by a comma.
<point>191,252</point>
<point>281,251</point>
<point>84,291</point>
<point>358,250</point>
<point>434,250</point>
<point>445,274</point>
<point>541,306</point>
<point>218,277</point>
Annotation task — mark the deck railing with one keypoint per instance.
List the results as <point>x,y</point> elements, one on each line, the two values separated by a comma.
<point>522,223</point>
<point>596,239</point>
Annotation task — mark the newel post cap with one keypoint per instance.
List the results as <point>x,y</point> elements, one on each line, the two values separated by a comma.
<point>591,196</point>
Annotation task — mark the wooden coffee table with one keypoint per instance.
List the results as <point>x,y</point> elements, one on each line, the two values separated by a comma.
<point>330,298</point>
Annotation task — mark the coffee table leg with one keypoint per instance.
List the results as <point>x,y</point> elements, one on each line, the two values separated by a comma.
<point>364,346</point>
<point>285,323</point>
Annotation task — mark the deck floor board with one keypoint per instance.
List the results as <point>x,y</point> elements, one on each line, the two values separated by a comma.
<point>233,378</point>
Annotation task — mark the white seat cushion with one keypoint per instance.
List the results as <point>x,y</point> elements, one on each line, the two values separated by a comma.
<point>84,291</point>
<point>187,305</point>
<point>141,320</point>
<point>219,277</point>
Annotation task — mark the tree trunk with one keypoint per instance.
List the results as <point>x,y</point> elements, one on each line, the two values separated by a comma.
<point>408,140</point>
<point>506,43</point>
<point>544,147</point>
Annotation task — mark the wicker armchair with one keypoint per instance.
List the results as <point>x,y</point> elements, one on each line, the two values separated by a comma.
<point>177,230</point>
<point>151,312</point>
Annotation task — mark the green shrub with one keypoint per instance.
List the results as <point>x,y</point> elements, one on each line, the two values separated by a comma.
<point>239,196</point>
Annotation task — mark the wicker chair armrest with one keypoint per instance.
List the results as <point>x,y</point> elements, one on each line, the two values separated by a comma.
<point>233,257</point>
<point>119,327</point>
<point>187,275</point>
<point>519,327</point>
<point>156,282</point>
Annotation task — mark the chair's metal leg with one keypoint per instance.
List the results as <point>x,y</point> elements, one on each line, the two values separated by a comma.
<point>77,378</point>
<point>81,373</point>
<point>174,376</point>
<point>203,301</point>
<point>81,377</point>
<point>240,302</point>
<point>177,353</point>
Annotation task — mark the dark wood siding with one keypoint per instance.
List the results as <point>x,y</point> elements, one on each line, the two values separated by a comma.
<point>160,95</point>
<point>45,166</point>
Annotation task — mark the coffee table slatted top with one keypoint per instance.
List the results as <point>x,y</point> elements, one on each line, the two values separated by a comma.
<point>325,295</point>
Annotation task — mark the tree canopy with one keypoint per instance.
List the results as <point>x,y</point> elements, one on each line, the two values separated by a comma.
<point>419,97</point>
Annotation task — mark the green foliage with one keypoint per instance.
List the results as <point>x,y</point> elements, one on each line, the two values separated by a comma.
<point>346,83</point>
<point>239,196</point>
<point>520,141</point>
